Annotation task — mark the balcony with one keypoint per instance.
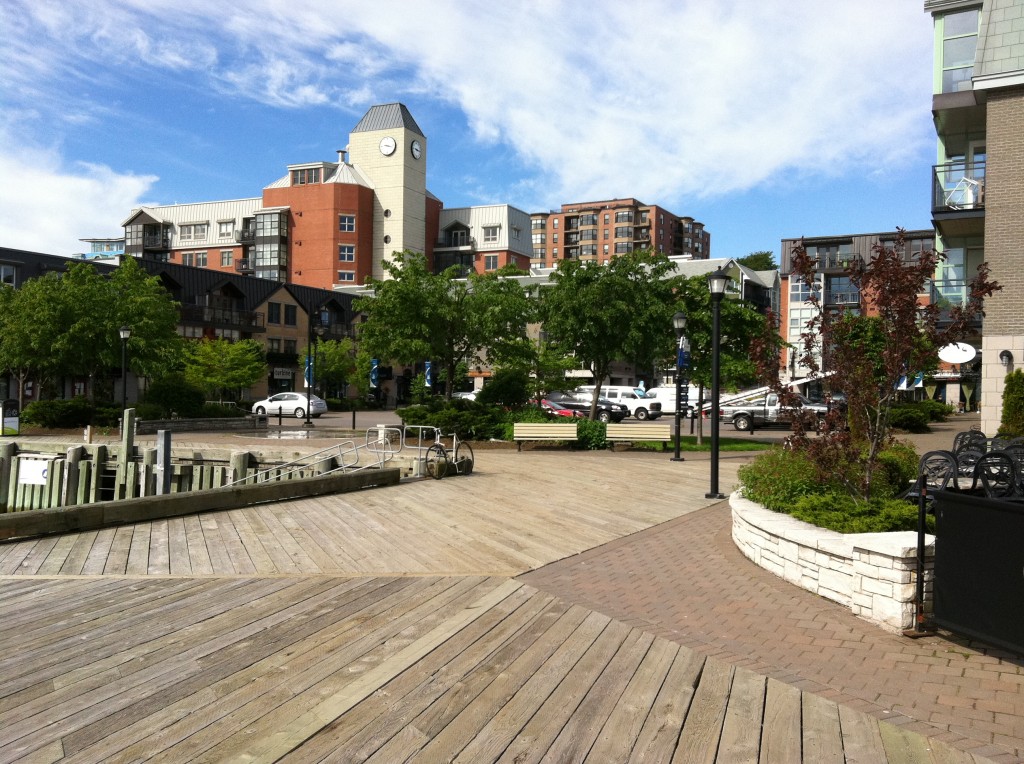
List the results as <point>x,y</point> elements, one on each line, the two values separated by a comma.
<point>839,261</point>
<point>246,236</point>
<point>245,265</point>
<point>456,244</point>
<point>242,320</point>
<point>958,186</point>
<point>842,298</point>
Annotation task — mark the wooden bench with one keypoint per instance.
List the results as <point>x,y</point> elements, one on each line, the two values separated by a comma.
<point>542,431</point>
<point>629,432</point>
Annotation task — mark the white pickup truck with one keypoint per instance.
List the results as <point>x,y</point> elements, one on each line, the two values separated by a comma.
<point>763,408</point>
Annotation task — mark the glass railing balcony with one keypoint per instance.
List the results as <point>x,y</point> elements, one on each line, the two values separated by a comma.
<point>842,298</point>
<point>958,186</point>
<point>838,260</point>
<point>203,314</point>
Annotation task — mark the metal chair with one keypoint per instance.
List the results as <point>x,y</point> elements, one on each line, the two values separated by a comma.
<point>967,437</point>
<point>967,457</point>
<point>936,471</point>
<point>997,474</point>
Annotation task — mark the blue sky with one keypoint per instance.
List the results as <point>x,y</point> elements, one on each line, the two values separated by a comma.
<point>764,119</point>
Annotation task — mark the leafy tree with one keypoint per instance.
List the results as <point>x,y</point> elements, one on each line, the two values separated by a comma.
<point>762,260</point>
<point>335,363</point>
<point>602,313</point>
<point>218,366</point>
<point>1013,405</point>
<point>866,353</point>
<point>64,324</point>
<point>417,315</point>
<point>508,388</point>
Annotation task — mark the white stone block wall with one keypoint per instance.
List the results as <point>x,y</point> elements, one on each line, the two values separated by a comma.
<point>874,574</point>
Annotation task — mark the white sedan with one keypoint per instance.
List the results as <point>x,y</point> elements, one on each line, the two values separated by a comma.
<point>290,404</point>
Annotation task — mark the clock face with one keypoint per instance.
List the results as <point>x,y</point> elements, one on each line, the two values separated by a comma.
<point>387,146</point>
<point>416,149</point>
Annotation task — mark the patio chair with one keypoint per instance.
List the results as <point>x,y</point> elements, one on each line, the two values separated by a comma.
<point>997,474</point>
<point>967,437</point>
<point>936,471</point>
<point>966,458</point>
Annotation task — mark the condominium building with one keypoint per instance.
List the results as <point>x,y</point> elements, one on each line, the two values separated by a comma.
<point>603,229</point>
<point>482,239</point>
<point>977,198</point>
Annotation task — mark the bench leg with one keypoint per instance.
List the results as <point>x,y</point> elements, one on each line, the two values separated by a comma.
<point>519,445</point>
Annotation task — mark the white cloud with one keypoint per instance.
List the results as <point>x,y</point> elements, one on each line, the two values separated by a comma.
<point>666,100</point>
<point>46,207</point>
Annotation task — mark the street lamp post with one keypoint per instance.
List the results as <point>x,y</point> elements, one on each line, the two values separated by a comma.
<point>125,332</point>
<point>717,282</point>
<point>317,326</point>
<point>682,365</point>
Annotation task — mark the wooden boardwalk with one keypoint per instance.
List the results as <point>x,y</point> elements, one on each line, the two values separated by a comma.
<point>387,626</point>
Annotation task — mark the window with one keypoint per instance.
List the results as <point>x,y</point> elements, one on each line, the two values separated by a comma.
<point>200,259</point>
<point>540,252</point>
<point>274,345</point>
<point>588,249</point>
<point>291,313</point>
<point>193,232</point>
<point>515,233</point>
<point>605,249</point>
<point>538,238</point>
<point>607,219</point>
<point>225,229</point>
<point>622,247</point>
<point>227,257</point>
<point>346,253</point>
<point>346,276</point>
<point>538,224</point>
<point>624,217</point>
<point>554,222</point>
<point>305,177</point>
<point>188,258</point>
<point>554,238</point>
<point>490,262</point>
<point>624,232</point>
<point>589,235</point>
<point>490,234</point>
<point>347,223</point>
<point>291,346</point>
<point>273,312</point>
<point>554,253</point>
<point>271,224</point>
<point>8,275</point>
<point>959,44</point>
<point>588,219</point>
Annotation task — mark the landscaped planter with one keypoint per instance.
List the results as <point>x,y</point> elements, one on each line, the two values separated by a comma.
<point>874,574</point>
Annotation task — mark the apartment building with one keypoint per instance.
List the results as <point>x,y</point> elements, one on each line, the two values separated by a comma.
<point>603,229</point>
<point>322,224</point>
<point>977,198</point>
<point>482,239</point>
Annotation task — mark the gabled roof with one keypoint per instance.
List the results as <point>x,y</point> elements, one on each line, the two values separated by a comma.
<point>387,116</point>
<point>142,215</point>
<point>341,173</point>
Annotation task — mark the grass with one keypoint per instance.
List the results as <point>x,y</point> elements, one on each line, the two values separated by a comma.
<point>689,443</point>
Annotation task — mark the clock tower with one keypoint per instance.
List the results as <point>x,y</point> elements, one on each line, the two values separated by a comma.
<point>389,148</point>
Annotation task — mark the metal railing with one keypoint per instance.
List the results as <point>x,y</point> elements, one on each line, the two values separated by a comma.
<point>958,186</point>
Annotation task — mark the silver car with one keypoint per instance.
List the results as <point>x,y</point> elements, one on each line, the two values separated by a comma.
<point>290,404</point>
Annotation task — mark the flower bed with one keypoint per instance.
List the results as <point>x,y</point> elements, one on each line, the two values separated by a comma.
<point>874,574</point>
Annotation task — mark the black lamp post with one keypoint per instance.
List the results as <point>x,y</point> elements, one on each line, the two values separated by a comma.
<point>317,326</point>
<point>717,282</point>
<point>125,332</point>
<point>682,367</point>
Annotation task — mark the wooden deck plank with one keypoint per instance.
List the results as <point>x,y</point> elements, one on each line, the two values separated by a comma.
<point>781,734</point>
<point>36,556</point>
<point>698,741</point>
<point>159,558</point>
<point>138,550</point>
<point>199,560</point>
<point>862,743</point>
<point>57,557</point>
<point>743,714</point>
<point>823,741</point>
<point>903,746</point>
<point>548,719</point>
<point>178,560</point>
<point>623,727</point>
<point>79,553</point>
<point>660,733</point>
<point>117,558</point>
<point>577,736</point>
<point>96,562</point>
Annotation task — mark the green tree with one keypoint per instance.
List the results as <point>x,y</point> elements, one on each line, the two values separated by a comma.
<point>602,313</point>
<point>417,316</point>
<point>219,367</point>
<point>762,260</point>
<point>64,324</point>
<point>335,364</point>
<point>1012,423</point>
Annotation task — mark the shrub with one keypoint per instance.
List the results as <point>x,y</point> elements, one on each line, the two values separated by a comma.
<point>59,414</point>
<point>591,434</point>
<point>508,387</point>
<point>937,410</point>
<point>778,477</point>
<point>845,514</point>
<point>175,397</point>
<point>1012,424</point>
<point>470,420</point>
<point>909,417</point>
<point>895,470</point>
<point>221,411</point>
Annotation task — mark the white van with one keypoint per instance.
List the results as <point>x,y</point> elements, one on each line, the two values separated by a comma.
<point>639,405</point>
<point>667,397</point>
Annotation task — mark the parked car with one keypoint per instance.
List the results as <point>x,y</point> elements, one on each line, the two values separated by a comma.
<point>633,399</point>
<point>290,404</point>
<point>607,411</point>
<point>764,409</point>
<point>556,409</point>
<point>470,396</point>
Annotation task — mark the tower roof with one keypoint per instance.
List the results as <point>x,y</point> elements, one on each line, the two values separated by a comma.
<point>387,116</point>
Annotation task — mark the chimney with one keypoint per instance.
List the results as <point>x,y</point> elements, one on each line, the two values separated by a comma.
<point>342,155</point>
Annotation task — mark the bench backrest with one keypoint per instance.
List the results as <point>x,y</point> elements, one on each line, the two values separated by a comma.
<point>544,429</point>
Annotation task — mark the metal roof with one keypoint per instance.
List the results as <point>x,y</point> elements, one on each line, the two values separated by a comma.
<point>387,116</point>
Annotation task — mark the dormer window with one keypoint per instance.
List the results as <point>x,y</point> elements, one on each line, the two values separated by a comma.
<point>306,177</point>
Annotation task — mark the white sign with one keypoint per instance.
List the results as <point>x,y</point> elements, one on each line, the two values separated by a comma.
<point>282,373</point>
<point>33,471</point>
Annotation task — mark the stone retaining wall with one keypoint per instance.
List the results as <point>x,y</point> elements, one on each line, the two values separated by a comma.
<point>249,423</point>
<point>874,574</point>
